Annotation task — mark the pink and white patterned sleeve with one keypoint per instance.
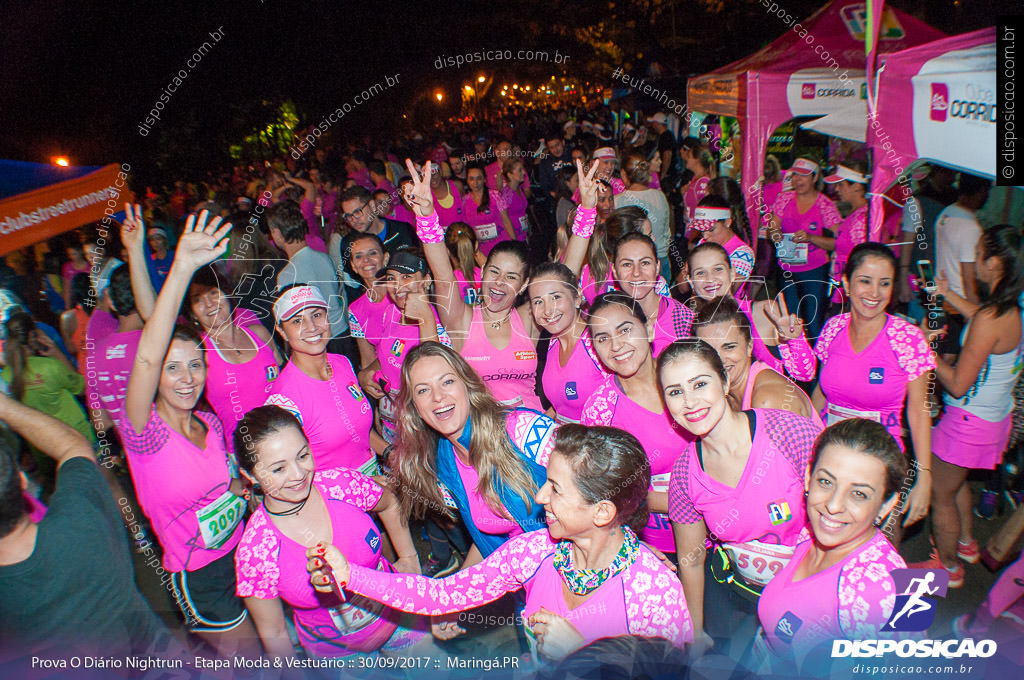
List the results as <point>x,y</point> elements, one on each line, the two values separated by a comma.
<point>912,350</point>
<point>499,201</point>
<point>867,592</point>
<point>798,358</point>
<point>350,486</point>
<point>829,212</point>
<point>655,603</point>
<point>429,229</point>
<point>256,570</point>
<point>505,570</point>
<point>600,406</point>
<point>828,334</point>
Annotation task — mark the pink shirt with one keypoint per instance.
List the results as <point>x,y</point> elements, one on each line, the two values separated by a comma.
<point>662,440</point>
<point>177,483</point>
<point>101,324</point>
<point>481,515</point>
<point>235,389</point>
<point>470,291</point>
<point>112,359</point>
<point>873,381</point>
<point>335,414</point>
<point>756,368</point>
<point>851,600</point>
<point>673,323</point>
<point>591,288</point>
<point>488,225</point>
<point>365,317</point>
<point>852,231</point>
<point>645,599</point>
<point>270,565</point>
<point>567,387</point>
<point>453,212</point>
<point>396,340</point>
<point>696,190</point>
<point>510,373</point>
<point>517,204</point>
<point>822,215</point>
<point>766,506</point>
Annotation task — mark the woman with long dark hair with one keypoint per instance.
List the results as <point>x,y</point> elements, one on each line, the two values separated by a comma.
<point>873,364</point>
<point>975,426</point>
<point>178,457</point>
<point>484,210</point>
<point>740,484</point>
<point>839,581</point>
<point>301,507</point>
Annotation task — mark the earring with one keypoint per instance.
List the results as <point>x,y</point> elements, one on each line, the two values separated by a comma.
<point>806,494</point>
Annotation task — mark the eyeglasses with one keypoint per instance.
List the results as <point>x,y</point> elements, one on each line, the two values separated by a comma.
<point>355,213</point>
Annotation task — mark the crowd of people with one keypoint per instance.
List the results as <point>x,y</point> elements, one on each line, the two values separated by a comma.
<point>358,393</point>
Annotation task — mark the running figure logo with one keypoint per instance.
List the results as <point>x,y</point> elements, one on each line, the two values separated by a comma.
<point>914,609</point>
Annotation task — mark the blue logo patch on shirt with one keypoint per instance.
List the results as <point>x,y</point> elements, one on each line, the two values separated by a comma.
<point>372,540</point>
<point>787,627</point>
<point>876,376</point>
<point>570,391</point>
<point>271,373</point>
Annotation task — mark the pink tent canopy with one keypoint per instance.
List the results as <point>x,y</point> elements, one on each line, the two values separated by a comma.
<point>816,68</point>
<point>935,102</point>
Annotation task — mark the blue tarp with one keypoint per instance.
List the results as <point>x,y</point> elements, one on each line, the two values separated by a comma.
<point>18,177</point>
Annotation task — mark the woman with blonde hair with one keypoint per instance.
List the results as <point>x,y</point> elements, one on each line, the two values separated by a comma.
<point>459,449</point>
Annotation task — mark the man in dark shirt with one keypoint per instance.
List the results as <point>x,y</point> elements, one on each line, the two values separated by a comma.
<point>67,584</point>
<point>363,215</point>
<point>558,156</point>
<point>666,148</point>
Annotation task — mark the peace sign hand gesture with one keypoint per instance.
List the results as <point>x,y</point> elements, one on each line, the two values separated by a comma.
<point>419,194</point>
<point>588,185</point>
<point>789,326</point>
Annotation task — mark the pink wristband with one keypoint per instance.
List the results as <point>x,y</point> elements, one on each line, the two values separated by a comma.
<point>429,228</point>
<point>583,224</point>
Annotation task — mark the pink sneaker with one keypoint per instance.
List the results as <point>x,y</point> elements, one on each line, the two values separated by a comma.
<point>956,574</point>
<point>968,552</point>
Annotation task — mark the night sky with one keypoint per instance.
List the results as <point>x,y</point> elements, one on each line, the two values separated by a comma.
<point>77,78</point>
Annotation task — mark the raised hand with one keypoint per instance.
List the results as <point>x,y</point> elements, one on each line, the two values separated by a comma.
<point>203,242</point>
<point>789,326</point>
<point>133,231</point>
<point>418,193</point>
<point>588,185</point>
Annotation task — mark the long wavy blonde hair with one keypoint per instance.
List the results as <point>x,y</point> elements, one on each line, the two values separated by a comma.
<point>491,453</point>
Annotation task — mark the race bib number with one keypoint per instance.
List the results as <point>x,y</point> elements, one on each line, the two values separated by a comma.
<point>660,482</point>
<point>524,224</point>
<point>834,414</point>
<point>351,618</point>
<point>486,232</point>
<point>370,468</point>
<point>758,562</point>
<point>789,252</point>
<point>217,521</point>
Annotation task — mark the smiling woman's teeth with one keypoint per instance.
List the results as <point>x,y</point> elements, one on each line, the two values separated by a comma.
<point>444,411</point>
<point>830,524</point>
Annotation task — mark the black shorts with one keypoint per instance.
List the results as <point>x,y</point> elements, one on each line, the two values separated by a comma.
<point>207,597</point>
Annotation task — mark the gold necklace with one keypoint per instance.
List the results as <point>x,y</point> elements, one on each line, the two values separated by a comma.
<point>500,322</point>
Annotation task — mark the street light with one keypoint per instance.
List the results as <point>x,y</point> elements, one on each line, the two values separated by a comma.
<point>439,96</point>
<point>481,79</point>
<point>61,161</point>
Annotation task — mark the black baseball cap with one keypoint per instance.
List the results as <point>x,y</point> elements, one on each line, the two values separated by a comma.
<point>404,262</point>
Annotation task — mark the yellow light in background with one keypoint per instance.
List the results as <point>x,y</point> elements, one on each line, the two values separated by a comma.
<point>468,88</point>
<point>61,161</point>
<point>439,96</point>
<point>481,79</point>
<point>515,86</point>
